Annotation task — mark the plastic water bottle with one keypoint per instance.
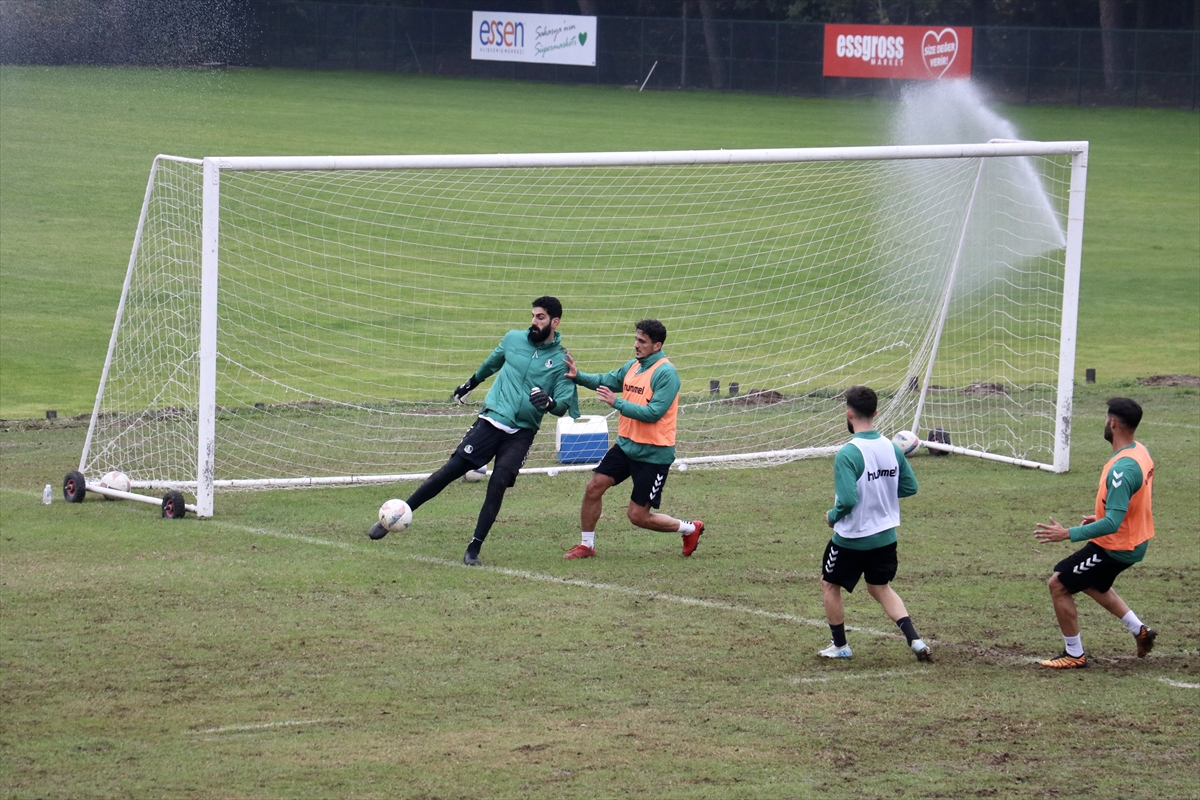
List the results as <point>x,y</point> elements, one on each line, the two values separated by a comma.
<point>47,495</point>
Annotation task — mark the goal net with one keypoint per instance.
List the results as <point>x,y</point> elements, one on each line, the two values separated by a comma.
<point>301,321</point>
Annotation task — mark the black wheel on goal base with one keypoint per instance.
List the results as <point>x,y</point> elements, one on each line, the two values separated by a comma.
<point>172,506</point>
<point>941,436</point>
<point>74,487</point>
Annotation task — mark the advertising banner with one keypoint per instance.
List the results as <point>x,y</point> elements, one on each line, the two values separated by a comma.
<point>534,38</point>
<point>911,52</point>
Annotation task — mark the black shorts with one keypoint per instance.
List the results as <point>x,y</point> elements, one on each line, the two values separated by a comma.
<point>484,441</point>
<point>648,479</point>
<point>844,566</point>
<point>1089,568</point>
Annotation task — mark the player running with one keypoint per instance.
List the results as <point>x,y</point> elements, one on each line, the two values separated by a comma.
<point>1117,537</point>
<point>870,475</point>
<point>645,447</point>
<point>530,368</point>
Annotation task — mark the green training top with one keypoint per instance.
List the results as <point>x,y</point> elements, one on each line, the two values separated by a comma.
<point>522,365</point>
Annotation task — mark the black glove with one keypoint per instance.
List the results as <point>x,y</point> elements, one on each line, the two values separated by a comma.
<point>540,399</point>
<point>460,394</point>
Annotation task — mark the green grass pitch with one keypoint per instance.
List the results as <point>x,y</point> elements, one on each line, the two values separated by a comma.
<point>273,651</point>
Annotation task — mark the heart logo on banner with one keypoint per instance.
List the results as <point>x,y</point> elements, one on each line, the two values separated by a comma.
<point>939,60</point>
<point>582,38</point>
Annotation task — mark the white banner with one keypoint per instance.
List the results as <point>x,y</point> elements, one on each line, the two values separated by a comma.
<point>535,38</point>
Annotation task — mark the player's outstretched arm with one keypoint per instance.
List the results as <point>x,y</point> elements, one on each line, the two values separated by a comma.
<point>666,388</point>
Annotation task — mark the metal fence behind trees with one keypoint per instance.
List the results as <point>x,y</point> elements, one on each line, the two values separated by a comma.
<point>1018,65</point>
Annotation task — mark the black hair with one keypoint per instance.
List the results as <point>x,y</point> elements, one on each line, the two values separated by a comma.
<point>1126,410</point>
<point>550,305</point>
<point>654,329</point>
<point>862,401</point>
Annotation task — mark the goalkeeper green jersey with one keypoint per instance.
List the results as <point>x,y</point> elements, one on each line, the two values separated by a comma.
<point>519,365</point>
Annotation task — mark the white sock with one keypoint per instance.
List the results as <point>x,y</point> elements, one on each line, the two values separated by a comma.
<point>1132,622</point>
<point>686,527</point>
<point>589,539</point>
<point>1074,645</point>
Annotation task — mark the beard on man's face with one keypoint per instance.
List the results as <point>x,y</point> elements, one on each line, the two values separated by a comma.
<point>849,426</point>
<point>537,334</point>
<point>1108,431</point>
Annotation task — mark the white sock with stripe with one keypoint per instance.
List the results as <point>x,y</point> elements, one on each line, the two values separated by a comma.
<point>686,527</point>
<point>589,539</point>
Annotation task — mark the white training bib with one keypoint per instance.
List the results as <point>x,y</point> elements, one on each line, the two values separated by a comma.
<point>878,507</point>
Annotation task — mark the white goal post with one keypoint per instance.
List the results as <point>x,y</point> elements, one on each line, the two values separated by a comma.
<point>300,321</point>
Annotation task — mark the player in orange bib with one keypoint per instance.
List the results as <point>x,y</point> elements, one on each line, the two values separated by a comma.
<point>645,447</point>
<point>1117,536</point>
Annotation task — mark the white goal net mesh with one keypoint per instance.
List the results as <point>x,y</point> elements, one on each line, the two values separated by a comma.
<point>351,303</point>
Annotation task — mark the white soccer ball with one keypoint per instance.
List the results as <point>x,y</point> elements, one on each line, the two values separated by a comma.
<point>907,441</point>
<point>395,515</point>
<point>116,480</point>
<point>476,475</point>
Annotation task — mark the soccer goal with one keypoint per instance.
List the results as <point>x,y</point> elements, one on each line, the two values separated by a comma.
<point>302,321</point>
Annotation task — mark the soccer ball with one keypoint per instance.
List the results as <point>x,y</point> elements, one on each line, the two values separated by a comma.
<point>116,480</point>
<point>395,515</point>
<point>476,475</point>
<point>907,441</point>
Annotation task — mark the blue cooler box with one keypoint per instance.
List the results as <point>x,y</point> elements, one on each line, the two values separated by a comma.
<point>581,441</point>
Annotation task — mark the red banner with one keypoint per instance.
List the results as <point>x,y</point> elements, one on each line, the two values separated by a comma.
<point>911,52</point>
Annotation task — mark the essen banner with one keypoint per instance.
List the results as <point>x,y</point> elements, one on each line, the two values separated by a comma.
<point>911,52</point>
<point>535,38</point>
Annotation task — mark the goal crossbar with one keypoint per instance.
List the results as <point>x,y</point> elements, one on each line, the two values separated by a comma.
<point>994,149</point>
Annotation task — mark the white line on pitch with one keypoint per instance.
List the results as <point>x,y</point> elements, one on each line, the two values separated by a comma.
<point>1187,425</point>
<point>1177,684</point>
<point>28,492</point>
<point>293,536</point>
<point>652,595</point>
<point>608,587</point>
<point>266,725</point>
<point>890,673</point>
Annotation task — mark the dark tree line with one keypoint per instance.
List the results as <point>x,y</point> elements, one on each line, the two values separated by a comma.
<point>199,31</point>
<point>1139,14</point>
<point>1108,15</point>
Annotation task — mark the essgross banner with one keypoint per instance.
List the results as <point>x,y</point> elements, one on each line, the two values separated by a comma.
<point>912,52</point>
<point>536,38</point>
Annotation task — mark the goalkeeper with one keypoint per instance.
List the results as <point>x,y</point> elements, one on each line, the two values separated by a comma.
<point>530,368</point>
<point>645,445</point>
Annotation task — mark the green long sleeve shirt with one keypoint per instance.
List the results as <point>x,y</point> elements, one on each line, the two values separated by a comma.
<point>519,365</point>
